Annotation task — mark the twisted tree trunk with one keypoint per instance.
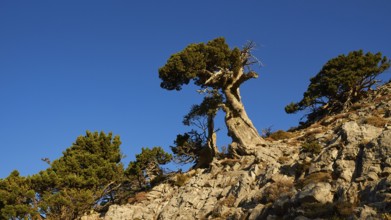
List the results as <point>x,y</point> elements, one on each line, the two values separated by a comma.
<point>240,128</point>
<point>207,154</point>
<point>212,137</point>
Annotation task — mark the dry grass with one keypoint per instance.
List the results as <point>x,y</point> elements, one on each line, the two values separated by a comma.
<point>375,121</point>
<point>315,126</point>
<point>359,105</point>
<point>302,168</point>
<point>229,162</point>
<point>310,134</point>
<point>139,197</point>
<point>228,201</point>
<point>381,111</point>
<point>284,159</point>
<point>386,216</point>
<point>382,98</point>
<point>282,186</point>
<point>345,209</point>
<point>218,211</point>
<point>315,178</point>
<point>331,119</point>
<point>280,135</point>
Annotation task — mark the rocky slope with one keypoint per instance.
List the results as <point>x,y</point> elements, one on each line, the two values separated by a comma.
<point>337,168</point>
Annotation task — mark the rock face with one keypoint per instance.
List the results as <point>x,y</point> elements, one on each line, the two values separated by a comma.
<point>350,178</point>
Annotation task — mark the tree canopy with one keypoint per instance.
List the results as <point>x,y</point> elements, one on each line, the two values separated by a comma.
<point>16,198</point>
<point>342,81</point>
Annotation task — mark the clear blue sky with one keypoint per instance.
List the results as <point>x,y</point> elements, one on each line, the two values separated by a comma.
<point>71,66</point>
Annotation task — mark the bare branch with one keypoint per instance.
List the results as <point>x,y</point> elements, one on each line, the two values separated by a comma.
<point>248,58</point>
<point>223,107</point>
<point>204,71</point>
<point>243,78</point>
<point>214,77</point>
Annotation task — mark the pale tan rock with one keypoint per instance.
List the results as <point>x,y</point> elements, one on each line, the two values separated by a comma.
<point>315,193</point>
<point>280,182</point>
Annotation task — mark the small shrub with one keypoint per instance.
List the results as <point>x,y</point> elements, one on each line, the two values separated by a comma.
<point>266,132</point>
<point>280,135</point>
<point>228,201</point>
<point>314,132</point>
<point>329,120</point>
<point>315,178</point>
<point>281,187</point>
<point>359,105</point>
<point>375,121</point>
<point>283,159</point>
<point>181,179</point>
<point>312,147</point>
<point>345,209</point>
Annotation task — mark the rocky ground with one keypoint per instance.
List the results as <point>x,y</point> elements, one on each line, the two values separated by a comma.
<point>337,168</point>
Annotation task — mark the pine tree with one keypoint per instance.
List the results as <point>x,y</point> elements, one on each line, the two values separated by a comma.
<point>85,177</point>
<point>342,81</point>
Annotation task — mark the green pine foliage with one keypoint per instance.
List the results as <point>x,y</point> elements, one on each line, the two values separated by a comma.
<point>89,176</point>
<point>147,167</point>
<point>86,177</point>
<point>17,198</point>
<point>195,63</point>
<point>342,81</point>
<point>312,147</point>
<point>82,177</point>
<point>218,71</point>
<point>188,146</point>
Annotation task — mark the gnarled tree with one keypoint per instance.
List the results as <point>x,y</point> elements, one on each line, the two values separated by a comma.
<point>217,67</point>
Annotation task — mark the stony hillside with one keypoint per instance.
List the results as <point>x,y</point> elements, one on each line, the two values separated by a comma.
<point>337,168</point>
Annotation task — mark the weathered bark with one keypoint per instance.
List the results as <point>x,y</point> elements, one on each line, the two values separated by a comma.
<point>212,136</point>
<point>207,154</point>
<point>240,128</point>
